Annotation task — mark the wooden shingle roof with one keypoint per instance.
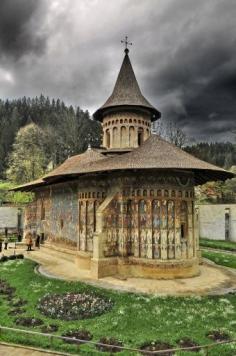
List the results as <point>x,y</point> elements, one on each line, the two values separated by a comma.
<point>127,94</point>
<point>155,154</point>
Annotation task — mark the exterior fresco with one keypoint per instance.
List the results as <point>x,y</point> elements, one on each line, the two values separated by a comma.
<point>152,223</point>
<point>150,227</point>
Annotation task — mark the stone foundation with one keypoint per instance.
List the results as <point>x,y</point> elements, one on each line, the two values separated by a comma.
<point>83,260</point>
<point>142,268</point>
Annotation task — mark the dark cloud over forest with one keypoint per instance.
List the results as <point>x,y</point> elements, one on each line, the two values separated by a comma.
<point>184,55</point>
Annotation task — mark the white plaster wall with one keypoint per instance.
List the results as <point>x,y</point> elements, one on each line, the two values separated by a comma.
<point>8,217</point>
<point>212,221</point>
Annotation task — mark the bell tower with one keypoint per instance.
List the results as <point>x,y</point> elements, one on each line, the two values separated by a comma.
<point>126,116</point>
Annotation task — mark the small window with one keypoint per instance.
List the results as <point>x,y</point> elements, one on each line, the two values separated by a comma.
<point>42,211</point>
<point>183,231</point>
<point>62,223</point>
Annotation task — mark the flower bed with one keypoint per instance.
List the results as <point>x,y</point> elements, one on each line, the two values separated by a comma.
<point>187,342</point>
<point>77,335</point>
<point>6,289</point>
<point>157,346</point>
<point>73,306</point>
<point>28,321</point>
<point>48,329</point>
<point>109,345</point>
<point>218,335</point>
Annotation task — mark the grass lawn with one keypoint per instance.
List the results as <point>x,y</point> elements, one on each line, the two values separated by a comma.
<point>218,244</point>
<point>220,258</point>
<point>134,319</point>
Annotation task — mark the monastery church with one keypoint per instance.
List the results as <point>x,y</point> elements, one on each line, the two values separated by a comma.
<point>126,208</point>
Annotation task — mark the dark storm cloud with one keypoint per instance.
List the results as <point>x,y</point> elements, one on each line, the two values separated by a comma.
<point>18,27</point>
<point>184,55</point>
<point>196,83</point>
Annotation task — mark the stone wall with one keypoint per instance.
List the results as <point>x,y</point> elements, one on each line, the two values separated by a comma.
<point>217,221</point>
<point>9,218</point>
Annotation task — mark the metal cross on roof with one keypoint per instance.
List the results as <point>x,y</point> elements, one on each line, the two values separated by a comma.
<point>126,43</point>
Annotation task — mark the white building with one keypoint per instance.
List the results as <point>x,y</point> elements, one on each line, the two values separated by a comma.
<point>217,221</point>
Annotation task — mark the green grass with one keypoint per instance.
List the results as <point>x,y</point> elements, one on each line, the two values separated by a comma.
<point>220,258</point>
<point>134,319</point>
<point>218,244</point>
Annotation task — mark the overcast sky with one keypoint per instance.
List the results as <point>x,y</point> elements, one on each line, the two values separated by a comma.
<point>183,54</point>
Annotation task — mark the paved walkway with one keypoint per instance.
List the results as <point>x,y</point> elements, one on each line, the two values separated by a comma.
<point>213,279</point>
<point>21,351</point>
<point>218,250</point>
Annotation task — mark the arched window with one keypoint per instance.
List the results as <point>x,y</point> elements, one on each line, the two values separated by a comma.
<point>123,136</point>
<point>166,193</point>
<point>140,136</point>
<point>108,139</point>
<point>131,136</point>
<point>115,137</point>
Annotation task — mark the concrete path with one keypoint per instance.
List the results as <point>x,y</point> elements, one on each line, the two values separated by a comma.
<point>213,279</point>
<point>218,250</point>
<point>6,350</point>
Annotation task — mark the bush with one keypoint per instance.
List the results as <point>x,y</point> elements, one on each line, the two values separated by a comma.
<point>20,256</point>
<point>12,257</point>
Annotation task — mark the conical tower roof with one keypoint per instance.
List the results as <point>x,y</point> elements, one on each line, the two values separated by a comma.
<point>126,93</point>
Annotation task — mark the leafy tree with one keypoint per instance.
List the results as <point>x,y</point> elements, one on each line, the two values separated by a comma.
<point>27,160</point>
<point>16,198</point>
